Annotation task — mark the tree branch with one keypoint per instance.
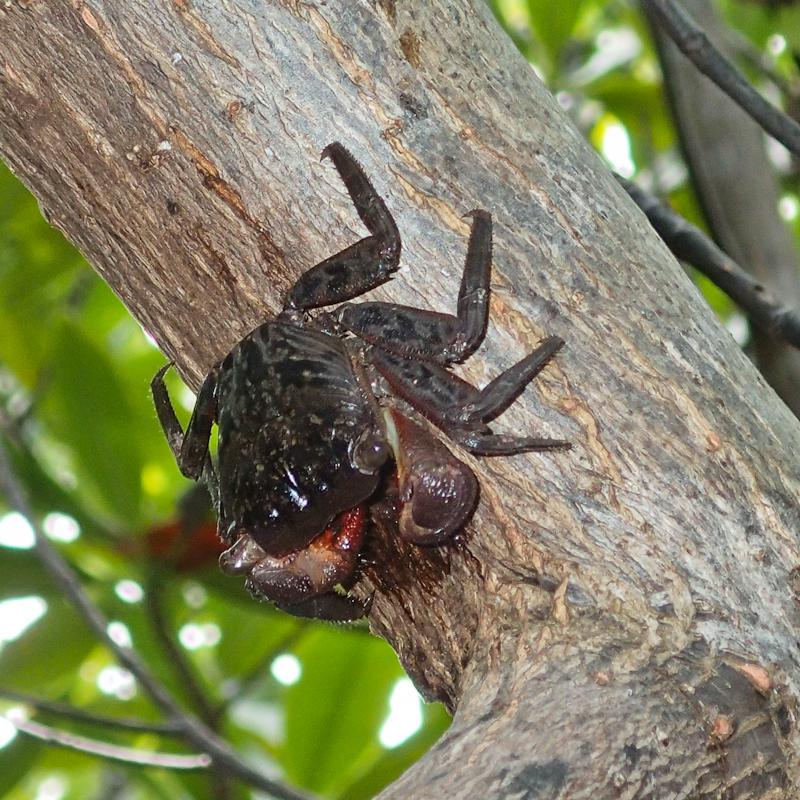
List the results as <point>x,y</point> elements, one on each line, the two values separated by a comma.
<point>690,244</point>
<point>112,752</point>
<point>80,715</point>
<point>190,682</point>
<point>696,46</point>
<point>189,679</point>
<point>246,682</point>
<point>195,731</point>
<point>736,187</point>
<point>671,521</point>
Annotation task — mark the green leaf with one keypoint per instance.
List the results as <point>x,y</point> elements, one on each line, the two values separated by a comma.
<point>16,761</point>
<point>554,22</point>
<point>45,658</point>
<point>86,408</point>
<point>335,711</point>
<point>390,764</point>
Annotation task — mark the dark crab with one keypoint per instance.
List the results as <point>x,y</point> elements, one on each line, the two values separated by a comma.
<point>306,440</point>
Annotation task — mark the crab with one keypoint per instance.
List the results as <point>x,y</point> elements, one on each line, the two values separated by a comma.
<point>310,427</point>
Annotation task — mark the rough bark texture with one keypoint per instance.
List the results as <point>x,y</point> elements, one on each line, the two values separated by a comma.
<point>738,189</point>
<point>619,620</point>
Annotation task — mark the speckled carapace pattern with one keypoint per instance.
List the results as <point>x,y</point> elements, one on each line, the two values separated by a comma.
<point>290,408</point>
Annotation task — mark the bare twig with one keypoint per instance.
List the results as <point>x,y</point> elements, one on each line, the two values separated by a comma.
<point>194,730</point>
<point>745,49</point>
<point>690,244</point>
<point>189,680</point>
<point>177,660</point>
<point>697,47</point>
<point>79,715</point>
<point>113,752</point>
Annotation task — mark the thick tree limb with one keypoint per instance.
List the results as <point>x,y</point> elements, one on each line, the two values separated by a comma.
<point>612,613</point>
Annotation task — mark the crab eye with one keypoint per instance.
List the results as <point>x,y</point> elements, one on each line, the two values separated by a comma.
<point>369,453</point>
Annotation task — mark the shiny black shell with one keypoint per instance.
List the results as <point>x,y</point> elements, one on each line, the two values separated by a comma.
<point>290,409</point>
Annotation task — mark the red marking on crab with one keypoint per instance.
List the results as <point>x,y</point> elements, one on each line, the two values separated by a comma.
<point>346,532</point>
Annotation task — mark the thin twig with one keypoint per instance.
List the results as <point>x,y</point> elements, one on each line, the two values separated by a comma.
<point>79,715</point>
<point>195,731</point>
<point>177,660</point>
<point>690,39</point>
<point>744,48</point>
<point>113,752</point>
<point>187,676</point>
<point>690,244</point>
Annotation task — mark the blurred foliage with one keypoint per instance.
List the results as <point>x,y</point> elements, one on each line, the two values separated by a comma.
<point>304,701</point>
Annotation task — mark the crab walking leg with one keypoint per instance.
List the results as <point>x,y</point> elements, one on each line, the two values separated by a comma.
<point>201,465</point>
<point>498,395</point>
<point>194,449</point>
<point>441,396</point>
<point>414,332</point>
<point>166,413</point>
<point>362,266</point>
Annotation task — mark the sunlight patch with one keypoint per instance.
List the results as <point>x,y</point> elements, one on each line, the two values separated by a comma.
<point>16,532</point>
<point>128,591</point>
<point>61,527</point>
<point>52,788</point>
<point>286,669</point>
<point>117,682</point>
<point>193,636</point>
<point>119,634</point>
<point>18,614</point>
<point>405,715</point>
<point>615,145</point>
<point>7,731</point>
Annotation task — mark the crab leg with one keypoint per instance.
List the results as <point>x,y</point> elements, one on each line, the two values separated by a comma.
<point>194,449</point>
<point>444,338</point>
<point>365,264</point>
<point>461,410</point>
<point>190,449</point>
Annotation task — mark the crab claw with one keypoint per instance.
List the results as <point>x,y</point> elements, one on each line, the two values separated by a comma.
<point>310,572</point>
<point>438,492</point>
<point>241,557</point>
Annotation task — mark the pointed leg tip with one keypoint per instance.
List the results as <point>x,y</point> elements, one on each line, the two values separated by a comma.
<point>163,371</point>
<point>335,150</point>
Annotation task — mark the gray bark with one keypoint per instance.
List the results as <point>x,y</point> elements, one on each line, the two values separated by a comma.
<point>618,620</point>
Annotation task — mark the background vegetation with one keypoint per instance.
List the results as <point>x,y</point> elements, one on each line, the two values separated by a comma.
<point>321,707</point>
